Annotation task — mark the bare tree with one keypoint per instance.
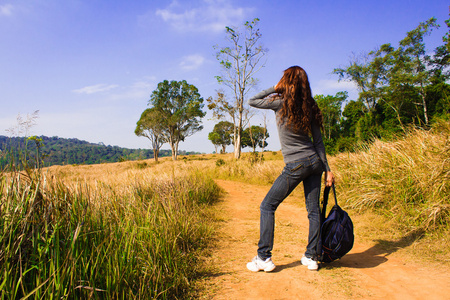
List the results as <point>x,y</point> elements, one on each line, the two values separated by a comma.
<point>265,134</point>
<point>240,61</point>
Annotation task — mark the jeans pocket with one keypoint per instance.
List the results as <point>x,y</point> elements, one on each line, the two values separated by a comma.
<point>296,166</point>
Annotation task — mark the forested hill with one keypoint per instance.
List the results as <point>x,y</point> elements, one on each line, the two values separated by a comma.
<point>60,151</point>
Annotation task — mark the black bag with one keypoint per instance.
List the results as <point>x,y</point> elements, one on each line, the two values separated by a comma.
<point>337,230</point>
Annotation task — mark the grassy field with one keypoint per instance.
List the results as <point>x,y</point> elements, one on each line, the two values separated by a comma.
<point>113,231</point>
<point>139,229</point>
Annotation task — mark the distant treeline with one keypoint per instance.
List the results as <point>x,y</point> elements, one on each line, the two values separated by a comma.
<point>62,151</point>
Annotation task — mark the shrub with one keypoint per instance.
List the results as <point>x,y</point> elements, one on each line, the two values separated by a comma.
<point>220,162</point>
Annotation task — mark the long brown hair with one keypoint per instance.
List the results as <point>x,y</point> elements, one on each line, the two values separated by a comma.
<point>299,108</point>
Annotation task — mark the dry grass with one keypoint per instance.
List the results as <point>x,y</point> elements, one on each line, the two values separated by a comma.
<point>247,169</point>
<point>126,230</point>
<point>406,184</point>
<point>408,179</point>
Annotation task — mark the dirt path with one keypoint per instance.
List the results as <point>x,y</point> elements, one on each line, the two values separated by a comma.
<point>366,272</point>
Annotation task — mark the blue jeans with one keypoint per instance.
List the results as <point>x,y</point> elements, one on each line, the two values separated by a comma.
<point>308,170</point>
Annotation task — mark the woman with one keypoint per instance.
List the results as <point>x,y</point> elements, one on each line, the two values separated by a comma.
<point>298,119</point>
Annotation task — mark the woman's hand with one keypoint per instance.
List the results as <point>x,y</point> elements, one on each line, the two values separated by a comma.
<point>329,178</point>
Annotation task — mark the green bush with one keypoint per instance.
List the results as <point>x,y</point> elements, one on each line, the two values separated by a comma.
<point>220,162</point>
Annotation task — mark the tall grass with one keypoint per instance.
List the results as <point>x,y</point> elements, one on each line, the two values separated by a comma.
<point>135,237</point>
<point>408,181</point>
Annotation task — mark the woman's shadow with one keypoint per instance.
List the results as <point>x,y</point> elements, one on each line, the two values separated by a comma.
<point>370,258</point>
<point>375,255</point>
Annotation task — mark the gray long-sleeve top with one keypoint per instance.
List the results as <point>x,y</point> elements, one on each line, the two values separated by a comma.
<point>294,145</point>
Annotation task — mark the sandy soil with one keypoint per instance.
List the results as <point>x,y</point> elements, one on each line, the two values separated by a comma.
<point>367,272</point>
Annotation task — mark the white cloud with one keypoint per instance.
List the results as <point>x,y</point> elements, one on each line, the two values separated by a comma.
<point>332,86</point>
<point>192,62</point>
<point>146,82</point>
<point>95,88</point>
<point>336,84</point>
<point>208,15</point>
<point>138,91</point>
<point>328,85</point>
<point>6,10</point>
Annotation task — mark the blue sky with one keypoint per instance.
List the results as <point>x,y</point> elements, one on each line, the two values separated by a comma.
<point>89,66</point>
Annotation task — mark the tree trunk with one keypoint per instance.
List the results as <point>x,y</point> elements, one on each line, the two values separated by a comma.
<point>174,147</point>
<point>329,131</point>
<point>424,103</point>
<point>237,147</point>
<point>237,144</point>
<point>174,151</point>
<point>237,141</point>
<point>155,154</point>
<point>264,136</point>
<point>155,144</point>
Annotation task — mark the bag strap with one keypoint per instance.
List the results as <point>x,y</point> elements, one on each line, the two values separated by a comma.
<point>326,193</point>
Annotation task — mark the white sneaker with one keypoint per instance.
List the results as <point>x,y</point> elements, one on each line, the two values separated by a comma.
<point>310,263</point>
<point>257,264</point>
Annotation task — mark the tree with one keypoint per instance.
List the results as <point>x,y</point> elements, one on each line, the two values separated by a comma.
<point>367,72</point>
<point>239,61</point>
<point>440,61</point>
<point>331,111</point>
<point>254,136</point>
<point>150,126</point>
<point>221,135</point>
<point>438,93</point>
<point>214,137</point>
<point>179,106</point>
<point>409,65</point>
<point>352,113</point>
<point>395,77</point>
